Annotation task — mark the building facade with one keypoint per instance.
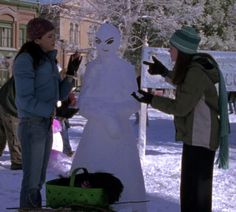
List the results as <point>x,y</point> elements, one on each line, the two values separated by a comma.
<point>74,31</point>
<point>14,16</point>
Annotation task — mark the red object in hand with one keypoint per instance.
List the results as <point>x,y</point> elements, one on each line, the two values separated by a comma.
<point>72,99</point>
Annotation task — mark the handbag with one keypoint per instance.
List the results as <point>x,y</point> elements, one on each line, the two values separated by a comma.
<point>63,193</point>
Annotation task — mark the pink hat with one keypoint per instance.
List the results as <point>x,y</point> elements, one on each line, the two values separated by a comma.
<point>38,27</point>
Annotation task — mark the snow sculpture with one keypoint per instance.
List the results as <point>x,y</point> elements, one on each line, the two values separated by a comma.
<point>108,142</point>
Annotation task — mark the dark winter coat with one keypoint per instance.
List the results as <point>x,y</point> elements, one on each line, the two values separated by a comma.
<point>7,97</point>
<point>195,107</point>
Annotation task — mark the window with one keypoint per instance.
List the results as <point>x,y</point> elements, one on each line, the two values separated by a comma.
<point>6,34</point>
<point>76,41</point>
<point>71,33</point>
<point>22,34</point>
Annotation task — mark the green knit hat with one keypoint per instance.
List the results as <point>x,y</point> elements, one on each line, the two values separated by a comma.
<point>186,40</point>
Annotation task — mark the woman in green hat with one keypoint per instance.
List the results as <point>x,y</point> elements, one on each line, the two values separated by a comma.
<point>196,110</point>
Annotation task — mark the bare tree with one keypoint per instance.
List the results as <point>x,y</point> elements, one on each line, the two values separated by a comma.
<point>158,19</point>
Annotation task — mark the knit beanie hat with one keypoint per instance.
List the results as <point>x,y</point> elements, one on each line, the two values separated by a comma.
<point>186,40</point>
<point>38,27</point>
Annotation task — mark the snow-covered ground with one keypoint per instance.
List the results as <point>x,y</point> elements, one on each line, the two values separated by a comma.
<point>161,167</point>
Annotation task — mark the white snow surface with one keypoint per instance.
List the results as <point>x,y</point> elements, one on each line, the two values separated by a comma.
<point>161,167</point>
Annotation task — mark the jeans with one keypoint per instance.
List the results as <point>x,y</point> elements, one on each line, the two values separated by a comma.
<point>65,136</point>
<point>35,135</point>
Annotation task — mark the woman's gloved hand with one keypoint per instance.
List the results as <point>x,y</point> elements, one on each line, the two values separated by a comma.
<point>74,63</point>
<point>145,98</point>
<point>156,68</point>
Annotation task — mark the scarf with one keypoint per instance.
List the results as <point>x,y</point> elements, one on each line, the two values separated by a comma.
<point>223,156</point>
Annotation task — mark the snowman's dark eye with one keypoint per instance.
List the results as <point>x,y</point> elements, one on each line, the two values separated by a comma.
<point>109,41</point>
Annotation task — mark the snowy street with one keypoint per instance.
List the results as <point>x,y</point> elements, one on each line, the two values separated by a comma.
<point>161,167</point>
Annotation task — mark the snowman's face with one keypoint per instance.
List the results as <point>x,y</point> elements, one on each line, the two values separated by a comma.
<point>107,39</point>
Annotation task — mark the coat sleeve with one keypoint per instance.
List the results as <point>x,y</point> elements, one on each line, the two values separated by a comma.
<point>187,96</point>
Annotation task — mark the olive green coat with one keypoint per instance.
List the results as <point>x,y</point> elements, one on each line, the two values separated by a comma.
<point>195,107</point>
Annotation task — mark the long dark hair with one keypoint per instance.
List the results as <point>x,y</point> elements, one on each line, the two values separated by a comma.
<point>35,52</point>
<point>181,67</point>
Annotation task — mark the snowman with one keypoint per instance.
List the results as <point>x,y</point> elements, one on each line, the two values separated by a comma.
<point>108,142</point>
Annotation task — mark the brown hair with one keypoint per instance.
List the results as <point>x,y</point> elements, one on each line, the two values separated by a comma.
<point>181,67</point>
<point>37,27</point>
